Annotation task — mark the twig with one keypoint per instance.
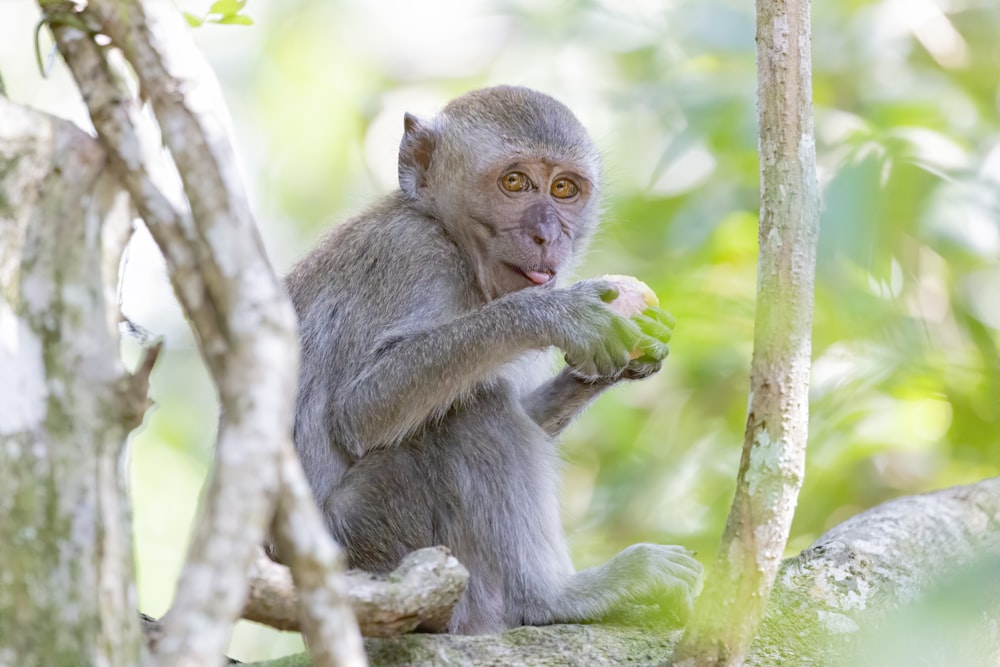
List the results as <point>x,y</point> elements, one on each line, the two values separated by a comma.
<point>421,592</point>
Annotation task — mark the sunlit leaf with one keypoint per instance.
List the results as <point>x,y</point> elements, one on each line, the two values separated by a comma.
<point>238,19</point>
<point>226,7</point>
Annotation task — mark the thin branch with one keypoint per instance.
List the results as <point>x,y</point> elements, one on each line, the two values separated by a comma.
<point>317,564</point>
<point>773,461</point>
<point>421,592</point>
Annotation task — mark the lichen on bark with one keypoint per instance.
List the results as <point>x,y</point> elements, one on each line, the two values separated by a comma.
<point>67,588</point>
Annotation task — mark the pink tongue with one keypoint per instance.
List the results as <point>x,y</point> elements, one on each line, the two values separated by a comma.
<point>537,277</point>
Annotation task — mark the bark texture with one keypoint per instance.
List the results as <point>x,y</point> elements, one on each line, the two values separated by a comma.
<point>67,593</point>
<point>773,459</point>
<point>915,581</point>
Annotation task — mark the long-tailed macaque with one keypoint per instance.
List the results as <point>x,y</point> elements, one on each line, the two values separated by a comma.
<point>426,410</point>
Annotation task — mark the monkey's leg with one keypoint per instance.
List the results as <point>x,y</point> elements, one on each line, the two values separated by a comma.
<point>490,474</point>
<point>381,510</point>
<point>502,523</point>
<point>526,537</point>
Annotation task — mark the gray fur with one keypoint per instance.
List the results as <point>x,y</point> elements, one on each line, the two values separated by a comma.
<point>425,412</point>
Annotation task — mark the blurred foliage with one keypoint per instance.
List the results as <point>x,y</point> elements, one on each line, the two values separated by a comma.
<point>906,382</point>
<point>222,11</point>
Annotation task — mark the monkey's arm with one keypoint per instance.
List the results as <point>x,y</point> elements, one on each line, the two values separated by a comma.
<point>559,401</point>
<point>555,404</point>
<point>415,374</point>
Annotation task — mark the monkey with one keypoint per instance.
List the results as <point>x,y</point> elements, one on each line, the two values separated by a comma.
<point>427,409</point>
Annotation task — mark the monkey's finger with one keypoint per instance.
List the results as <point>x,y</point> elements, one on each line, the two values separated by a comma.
<point>661,316</point>
<point>591,365</point>
<point>652,349</point>
<point>585,372</point>
<point>610,358</point>
<point>641,368</point>
<point>579,367</point>
<point>627,330</point>
<point>619,358</point>
<point>680,564</point>
<point>653,328</point>
<point>688,569</point>
<point>604,290</point>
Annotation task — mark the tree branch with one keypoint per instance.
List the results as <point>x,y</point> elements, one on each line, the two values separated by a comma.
<point>317,565</point>
<point>861,595</point>
<point>242,318</point>
<point>421,592</point>
<point>839,601</point>
<point>773,459</point>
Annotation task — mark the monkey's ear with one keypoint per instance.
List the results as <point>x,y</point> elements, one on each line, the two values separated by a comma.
<point>415,153</point>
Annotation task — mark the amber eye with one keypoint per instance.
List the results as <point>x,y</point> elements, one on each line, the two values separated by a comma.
<point>515,181</point>
<point>563,188</point>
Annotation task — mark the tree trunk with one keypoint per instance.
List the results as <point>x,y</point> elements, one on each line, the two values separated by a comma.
<point>241,316</point>
<point>67,590</point>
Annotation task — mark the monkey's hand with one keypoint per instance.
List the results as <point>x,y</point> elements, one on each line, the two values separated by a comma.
<point>657,324</point>
<point>601,346</point>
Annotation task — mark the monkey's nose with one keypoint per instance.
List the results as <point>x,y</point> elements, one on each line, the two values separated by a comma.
<point>540,224</point>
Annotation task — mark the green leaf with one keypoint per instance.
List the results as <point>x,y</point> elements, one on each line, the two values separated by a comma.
<point>193,21</point>
<point>227,7</point>
<point>235,19</point>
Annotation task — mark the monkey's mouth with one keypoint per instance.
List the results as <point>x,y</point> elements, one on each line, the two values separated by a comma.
<point>535,276</point>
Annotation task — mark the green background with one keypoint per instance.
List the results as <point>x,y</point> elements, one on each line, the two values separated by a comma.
<point>905,390</point>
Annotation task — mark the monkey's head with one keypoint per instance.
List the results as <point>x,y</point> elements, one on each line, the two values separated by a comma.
<point>513,178</point>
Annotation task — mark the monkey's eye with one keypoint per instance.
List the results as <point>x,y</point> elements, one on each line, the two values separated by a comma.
<point>563,188</point>
<point>515,181</point>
